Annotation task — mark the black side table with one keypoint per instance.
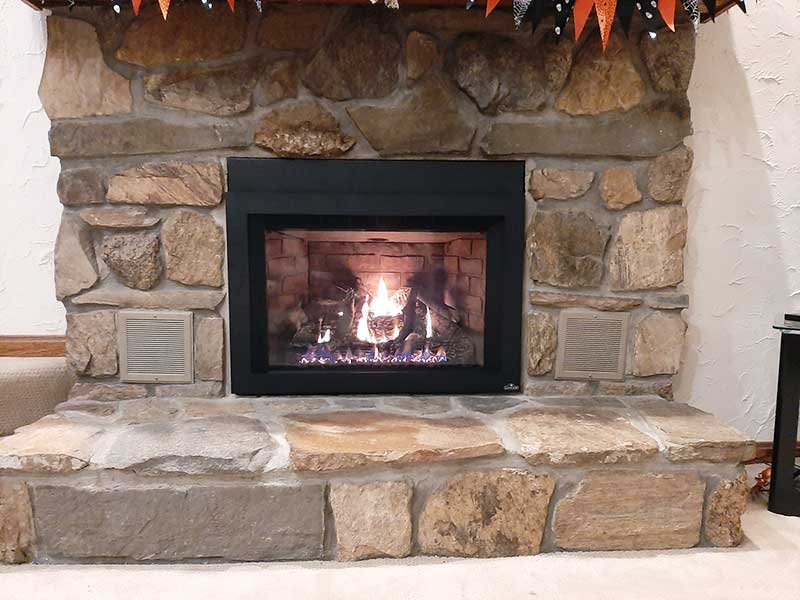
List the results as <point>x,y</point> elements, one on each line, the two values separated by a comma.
<point>784,495</point>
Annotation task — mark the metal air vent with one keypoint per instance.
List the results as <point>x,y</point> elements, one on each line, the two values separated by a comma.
<point>155,346</point>
<point>591,345</point>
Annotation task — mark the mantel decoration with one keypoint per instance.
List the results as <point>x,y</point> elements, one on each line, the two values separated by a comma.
<point>655,14</point>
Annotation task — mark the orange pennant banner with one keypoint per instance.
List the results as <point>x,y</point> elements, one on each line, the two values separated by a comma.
<point>136,4</point>
<point>581,12</point>
<point>232,4</point>
<point>667,10</point>
<point>605,18</point>
<point>164,4</point>
<point>491,5</point>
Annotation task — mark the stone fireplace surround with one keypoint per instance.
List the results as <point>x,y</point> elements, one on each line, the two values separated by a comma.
<point>175,472</point>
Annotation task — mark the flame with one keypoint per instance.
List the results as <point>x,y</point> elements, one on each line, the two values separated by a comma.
<point>428,324</point>
<point>362,333</point>
<point>324,338</point>
<point>382,305</point>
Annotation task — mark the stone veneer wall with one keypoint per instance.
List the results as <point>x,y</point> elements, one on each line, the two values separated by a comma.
<point>145,112</point>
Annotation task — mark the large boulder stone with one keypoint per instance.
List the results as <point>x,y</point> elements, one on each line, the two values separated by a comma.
<point>486,514</point>
<point>278,81</point>
<point>105,392</point>
<point>669,175</point>
<point>631,511</point>
<point>567,300</point>
<point>578,435</point>
<point>372,520</point>
<point>502,75</point>
<point>198,446</point>
<point>53,444</point>
<point>133,258</point>
<point>92,343</point>
<point>422,53</point>
<point>302,130</point>
<point>237,522</point>
<point>346,440</point>
<point>658,344</point>
<point>689,434</point>
<point>360,59</point>
<point>429,121</point>
<point>74,56</point>
<point>542,343</point>
<point>119,217</point>
<point>648,251</point>
<point>602,80</point>
<point>644,132</point>
<point>194,249</point>
<point>16,523</point>
<point>220,91</point>
<point>168,183</point>
<point>179,299</point>
<point>567,248</point>
<point>293,27</point>
<point>724,510</point>
<point>141,135</point>
<point>209,349</point>
<point>618,188</point>
<point>669,59</point>
<point>74,257</point>
<point>560,184</point>
<point>80,186</point>
<point>191,34</point>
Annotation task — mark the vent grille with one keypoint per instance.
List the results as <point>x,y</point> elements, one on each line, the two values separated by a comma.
<point>591,345</point>
<point>155,346</point>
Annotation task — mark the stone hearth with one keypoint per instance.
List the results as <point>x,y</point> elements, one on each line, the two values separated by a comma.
<point>348,478</point>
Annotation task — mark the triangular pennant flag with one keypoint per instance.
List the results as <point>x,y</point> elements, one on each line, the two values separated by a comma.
<point>491,5</point>
<point>605,10</point>
<point>649,10</point>
<point>520,8</point>
<point>711,5</point>
<point>581,12</point>
<point>742,5</point>
<point>164,4</point>
<point>625,10</point>
<point>537,14</point>
<point>232,5</point>
<point>563,11</point>
<point>667,10</point>
<point>692,9</point>
<point>136,4</point>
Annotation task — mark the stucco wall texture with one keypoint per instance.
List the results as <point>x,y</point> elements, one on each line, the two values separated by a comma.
<point>743,263</point>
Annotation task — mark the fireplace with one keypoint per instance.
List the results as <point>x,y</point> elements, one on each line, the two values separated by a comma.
<point>375,276</point>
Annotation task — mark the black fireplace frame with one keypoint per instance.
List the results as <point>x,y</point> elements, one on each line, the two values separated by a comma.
<point>385,195</point>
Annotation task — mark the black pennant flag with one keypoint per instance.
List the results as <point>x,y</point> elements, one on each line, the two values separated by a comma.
<point>625,10</point>
<point>711,5</point>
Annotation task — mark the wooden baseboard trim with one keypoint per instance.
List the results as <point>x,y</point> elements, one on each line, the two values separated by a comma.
<point>26,346</point>
<point>764,452</point>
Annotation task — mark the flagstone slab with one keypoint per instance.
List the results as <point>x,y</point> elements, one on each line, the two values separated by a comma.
<point>579,435</point>
<point>691,434</point>
<point>347,440</point>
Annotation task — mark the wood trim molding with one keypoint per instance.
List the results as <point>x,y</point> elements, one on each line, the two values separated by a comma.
<point>32,345</point>
<point>764,452</point>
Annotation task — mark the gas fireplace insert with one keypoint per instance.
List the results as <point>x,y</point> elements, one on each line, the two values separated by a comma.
<point>375,277</point>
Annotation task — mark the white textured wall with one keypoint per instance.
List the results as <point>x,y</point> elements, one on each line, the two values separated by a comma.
<point>743,264</point>
<point>28,202</point>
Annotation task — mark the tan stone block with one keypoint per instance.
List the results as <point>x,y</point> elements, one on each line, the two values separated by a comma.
<point>602,80</point>
<point>486,514</point>
<point>578,435</point>
<point>648,251</point>
<point>168,183</point>
<point>670,59</point>
<point>119,217</point>
<point>668,175</point>
<point>658,344</point>
<point>422,53</point>
<point>542,339</point>
<point>105,392</point>
<point>567,300</point>
<point>372,520</point>
<point>293,27</point>
<point>209,349</point>
<point>172,299</point>
<point>91,347</point>
<point>560,184</point>
<point>618,188</point>
<point>348,440</point>
<point>631,511</point>
<point>76,81</point>
<point>73,257</point>
<point>691,434</point>
<point>194,248</point>
<point>134,259</point>
<point>304,129</point>
<point>16,523</point>
<point>723,513</point>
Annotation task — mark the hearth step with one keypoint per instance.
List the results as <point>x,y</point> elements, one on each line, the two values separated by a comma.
<point>171,480</point>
